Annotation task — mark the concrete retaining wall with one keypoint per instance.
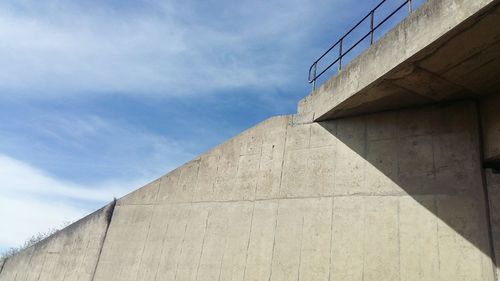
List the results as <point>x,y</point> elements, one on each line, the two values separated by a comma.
<point>389,196</point>
<point>70,254</point>
<point>493,181</point>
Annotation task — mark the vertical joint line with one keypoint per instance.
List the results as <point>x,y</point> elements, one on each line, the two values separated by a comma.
<point>274,240</point>
<point>283,158</point>
<point>145,241</point>
<point>435,202</point>
<point>202,245</point>
<point>248,243</point>
<point>109,217</point>
<point>487,204</point>
<point>300,249</point>
<point>331,241</point>
<point>161,253</point>
<point>2,265</point>
<point>222,258</point>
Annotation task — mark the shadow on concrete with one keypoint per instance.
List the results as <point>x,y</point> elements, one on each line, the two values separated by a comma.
<point>430,153</point>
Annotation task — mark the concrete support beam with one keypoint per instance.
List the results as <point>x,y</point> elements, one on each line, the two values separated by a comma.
<point>445,50</point>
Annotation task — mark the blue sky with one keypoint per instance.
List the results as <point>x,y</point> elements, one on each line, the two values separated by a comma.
<point>100,97</point>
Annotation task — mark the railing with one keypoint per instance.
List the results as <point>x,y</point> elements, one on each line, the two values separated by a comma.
<point>313,69</point>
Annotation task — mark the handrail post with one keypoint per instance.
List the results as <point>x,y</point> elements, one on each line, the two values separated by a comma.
<point>410,9</point>
<point>314,75</point>
<point>371,26</point>
<point>340,53</point>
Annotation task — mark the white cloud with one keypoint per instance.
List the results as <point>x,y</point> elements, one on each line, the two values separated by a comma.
<point>167,48</point>
<point>33,201</point>
<point>87,146</point>
<point>21,178</point>
<point>113,158</point>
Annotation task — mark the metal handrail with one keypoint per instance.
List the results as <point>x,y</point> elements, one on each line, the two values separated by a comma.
<point>340,42</point>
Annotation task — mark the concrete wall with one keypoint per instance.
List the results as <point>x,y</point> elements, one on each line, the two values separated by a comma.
<point>490,113</point>
<point>390,196</point>
<point>70,254</point>
<point>395,195</point>
<point>493,181</point>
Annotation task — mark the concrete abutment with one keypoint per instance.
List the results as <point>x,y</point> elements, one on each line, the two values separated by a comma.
<point>380,176</point>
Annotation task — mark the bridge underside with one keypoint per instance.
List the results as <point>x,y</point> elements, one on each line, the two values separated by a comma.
<point>460,61</point>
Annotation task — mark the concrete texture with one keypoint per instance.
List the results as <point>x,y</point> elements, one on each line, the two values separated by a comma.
<point>393,195</point>
<point>390,196</point>
<point>447,49</point>
<point>493,183</point>
<point>490,113</point>
<point>70,254</point>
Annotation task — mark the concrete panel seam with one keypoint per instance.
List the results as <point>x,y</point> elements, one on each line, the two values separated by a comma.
<point>83,259</point>
<point>182,245</point>
<point>434,201</point>
<point>331,242</point>
<point>355,194</point>
<point>248,242</point>
<point>197,179</point>
<point>161,253</point>
<point>399,237</point>
<point>222,258</point>
<point>364,240</point>
<point>274,241</point>
<point>41,269</point>
<point>145,242</point>
<point>487,203</point>
<point>158,190</point>
<point>257,182</point>
<point>109,217</point>
<point>202,245</point>
<point>300,248</point>
<point>1,265</point>
<point>283,158</point>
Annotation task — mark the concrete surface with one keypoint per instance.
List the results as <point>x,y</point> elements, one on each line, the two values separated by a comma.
<point>70,254</point>
<point>490,113</point>
<point>493,183</point>
<point>393,195</point>
<point>447,49</point>
<point>390,196</point>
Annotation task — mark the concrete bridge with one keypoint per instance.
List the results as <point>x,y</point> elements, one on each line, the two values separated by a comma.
<point>386,172</point>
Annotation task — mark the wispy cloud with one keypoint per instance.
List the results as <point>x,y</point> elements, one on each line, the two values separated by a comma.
<point>160,48</point>
<point>33,201</point>
<point>90,148</point>
<point>66,165</point>
<point>77,80</point>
